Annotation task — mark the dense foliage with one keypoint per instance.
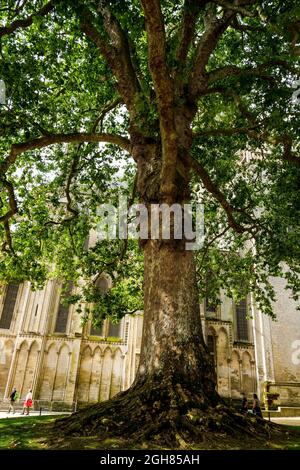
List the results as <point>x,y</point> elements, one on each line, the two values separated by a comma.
<point>57,83</point>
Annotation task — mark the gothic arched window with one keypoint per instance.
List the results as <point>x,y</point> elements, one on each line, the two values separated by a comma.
<point>63,313</point>
<point>114,330</point>
<point>9,305</point>
<point>242,331</point>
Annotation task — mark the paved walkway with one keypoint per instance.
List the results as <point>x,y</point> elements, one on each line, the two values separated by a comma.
<point>294,421</point>
<point>18,414</point>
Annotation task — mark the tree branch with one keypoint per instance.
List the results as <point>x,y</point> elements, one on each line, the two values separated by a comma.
<point>225,132</point>
<point>13,209</point>
<point>284,139</point>
<point>236,8</point>
<point>245,28</point>
<point>116,52</point>
<point>232,70</point>
<point>109,107</point>
<point>288,155</point>
<point>209,244</point>
<point>293,28</point>
<point>8,241</point>
<point>50,139</point>
<point>157,51</point>
<point>212,188</point>
<point>71,175</point>
<point>207,44</point>
<point>191,10</point>
<point>240,105</point>
<point>164,89</point>
<point>24,23</point>
<point>41,142</point>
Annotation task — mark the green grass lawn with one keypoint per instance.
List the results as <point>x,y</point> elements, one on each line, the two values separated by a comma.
<point>294,443</point>
<point>31,433</point>
<point>23,433</point>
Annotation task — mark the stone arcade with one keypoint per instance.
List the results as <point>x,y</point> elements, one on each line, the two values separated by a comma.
<point>44,346</point>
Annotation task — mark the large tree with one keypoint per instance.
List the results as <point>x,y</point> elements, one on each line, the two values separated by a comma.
<point>178,93</point>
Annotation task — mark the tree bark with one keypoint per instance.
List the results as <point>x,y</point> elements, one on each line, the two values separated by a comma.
<point>173,350</point>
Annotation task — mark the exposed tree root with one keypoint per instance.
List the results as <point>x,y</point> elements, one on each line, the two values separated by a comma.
<point>160,415</point>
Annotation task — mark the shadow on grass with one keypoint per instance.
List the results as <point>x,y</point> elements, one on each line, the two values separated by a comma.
<point>294,438</point>
<point>24,433</point>
<point>32,433</point>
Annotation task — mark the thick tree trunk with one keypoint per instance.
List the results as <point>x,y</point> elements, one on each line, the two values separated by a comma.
<point>173,349</point>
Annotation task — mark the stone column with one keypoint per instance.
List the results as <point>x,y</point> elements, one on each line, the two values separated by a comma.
<point>241,374</point>
<point>12,371</point>
<point>44,330</point>
<point>73,372</point>
<point>15,355</point>
<point>229,377</point>
<point>101,373</point>
<point>259,346</point>
<point>253,375</point>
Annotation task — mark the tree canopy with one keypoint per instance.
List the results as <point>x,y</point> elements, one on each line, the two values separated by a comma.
<point>84,78</point>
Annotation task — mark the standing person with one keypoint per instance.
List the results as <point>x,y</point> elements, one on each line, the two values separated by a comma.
<point>256,406</point>
<point>13,397</point>
<point>27,403</point>
<point>244,404</point>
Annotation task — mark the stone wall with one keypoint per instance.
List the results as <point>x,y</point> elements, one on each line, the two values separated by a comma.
<point>235,364</point>
<point>70,367</point>
<point>77,367</point>
<point>278,346</point>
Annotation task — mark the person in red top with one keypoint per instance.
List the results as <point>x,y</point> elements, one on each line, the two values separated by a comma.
<point>27,403</point>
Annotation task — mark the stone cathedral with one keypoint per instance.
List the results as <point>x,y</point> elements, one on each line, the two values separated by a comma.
<point>45,346</point>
